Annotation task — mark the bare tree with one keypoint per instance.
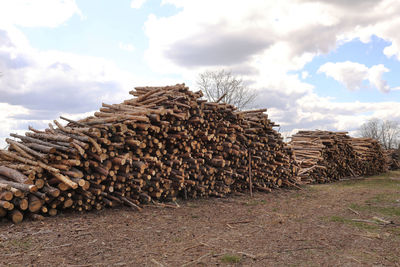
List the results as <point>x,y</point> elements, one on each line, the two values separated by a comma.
<point>370,129</point>
<point>390,134</point>
<point>224,86</point>
<point>386,132</point>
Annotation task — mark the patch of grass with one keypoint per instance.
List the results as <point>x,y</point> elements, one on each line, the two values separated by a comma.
<point>383,198</point>
<point>370,183</point>
<point>388,211</point>
<point>359,225</point>
<point>395,173</point>
<point>381,181</point>
<point>229,258</point>
<point>297,195</point>
<point>192,205</point>
<point>394,258</point>
<point>395,231</point>
<point>195,216</point>
<point>314,188</point>
<point>177,239</point>
<point>360,254</point>
<point>254,202</point>
<point>23,244</point>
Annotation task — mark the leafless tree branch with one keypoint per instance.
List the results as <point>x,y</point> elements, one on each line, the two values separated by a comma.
<point>225,86</point>
<point>385,131</point>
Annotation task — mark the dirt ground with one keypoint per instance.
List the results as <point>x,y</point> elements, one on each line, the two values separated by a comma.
<point>337,224</point>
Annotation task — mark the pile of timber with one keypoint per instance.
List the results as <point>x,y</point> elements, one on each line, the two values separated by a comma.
<point>164,143</point>
<point>393,159</point>
<point>371,154</point>
<point>324,156</point>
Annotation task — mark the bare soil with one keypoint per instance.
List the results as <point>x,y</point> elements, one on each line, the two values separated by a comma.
<point>337,224</point>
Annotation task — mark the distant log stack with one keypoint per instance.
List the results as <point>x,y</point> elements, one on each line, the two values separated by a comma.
<point>164,143</point>
<point>325,156</point>
<point>393,158</point>
<point>371,155</point>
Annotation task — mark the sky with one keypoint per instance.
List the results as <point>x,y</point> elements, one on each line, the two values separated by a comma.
<point>328,65</point>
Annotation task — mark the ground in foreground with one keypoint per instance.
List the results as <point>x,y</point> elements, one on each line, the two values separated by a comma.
<point>349,223</point>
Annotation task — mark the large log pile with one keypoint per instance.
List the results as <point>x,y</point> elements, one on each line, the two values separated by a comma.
<point>325,156</point>
<point>164,143</point>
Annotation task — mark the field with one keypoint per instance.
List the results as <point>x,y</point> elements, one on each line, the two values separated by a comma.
<point>348,223</point>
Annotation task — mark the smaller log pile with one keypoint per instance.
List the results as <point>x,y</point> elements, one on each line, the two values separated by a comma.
<point>371,154</point>
<point>393,159</point>
<point>324,156</point>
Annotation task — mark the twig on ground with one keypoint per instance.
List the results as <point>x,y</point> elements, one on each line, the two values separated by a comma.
<point>356,212</point>
<point>369,235</point>
<point>239,222</point>
<point>157,263</point>
<point>352,258</point>
<point>42,232</point>
<point>297,249</point>
<point>230,226</point>
<point>205,244</point>
<point>60,246</point>
<point>164,205</point>
<point>352,178</point>
<point>93,241</point>
<point>197,260</point>
<point>365,221</point>
<point>247,255</point>
<point>195,246</point>
<point>382,220</point>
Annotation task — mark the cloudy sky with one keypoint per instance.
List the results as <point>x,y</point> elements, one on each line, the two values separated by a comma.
<point>315,64</point>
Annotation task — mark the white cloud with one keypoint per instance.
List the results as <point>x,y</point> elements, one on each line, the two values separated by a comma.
<point>305,75</point>
<point>353,74</point>
<point>375,77</point>
<point>189,39</point>
<point>38,13</point>
<point>126,47</point>
<point>38,86</point>
<point>137,3</point>
<point>263,41</point>
<point>266,41</point>
<point>7,111</point>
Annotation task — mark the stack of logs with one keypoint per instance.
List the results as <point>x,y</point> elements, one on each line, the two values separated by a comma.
<point>371,156</point>
<point>393,159</point>
<point>325,156</point>
<point>164,143</point>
